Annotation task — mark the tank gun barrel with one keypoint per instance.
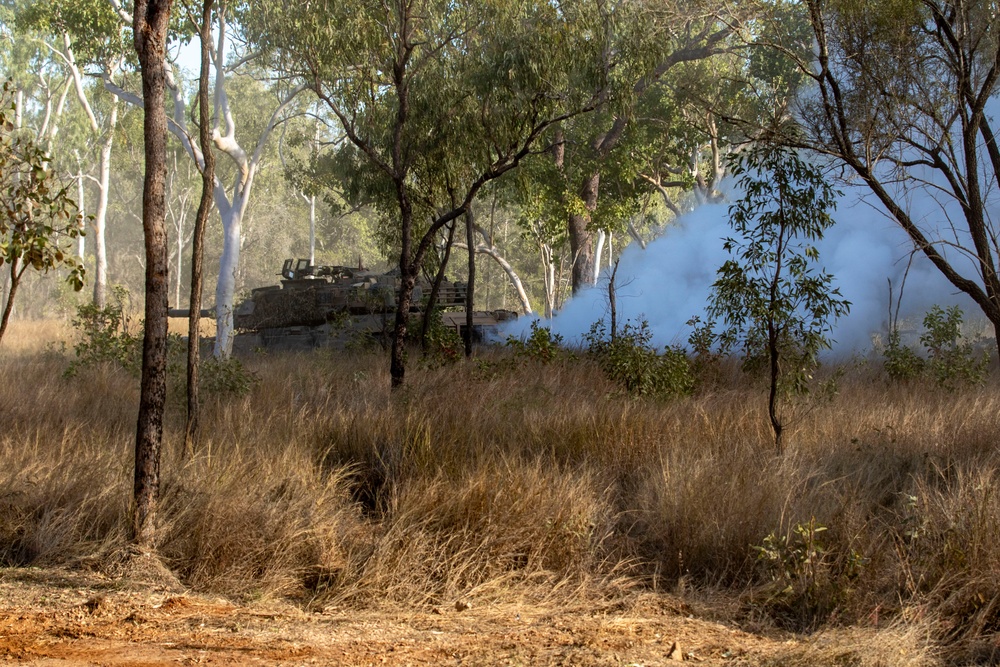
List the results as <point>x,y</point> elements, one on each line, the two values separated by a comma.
<point>186,312</point>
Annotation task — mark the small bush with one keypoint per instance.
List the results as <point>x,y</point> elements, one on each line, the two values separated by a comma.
<point>950,360</point>
<point>901,362</point>
<point>227,376</point>
<point>804,589</point>
<point>443,345</point>
<point>107,335</point>
<point>542,345</point>
<point>630,360</point>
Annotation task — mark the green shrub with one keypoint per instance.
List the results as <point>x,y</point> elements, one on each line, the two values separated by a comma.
<point>950,360</point>
<point>541,345</point>
<point>443,345</point>
<point>227,376</point>
<point>901,362</point>
<point>630,360</point>
<point>106,335</point>
<point>806,582</point>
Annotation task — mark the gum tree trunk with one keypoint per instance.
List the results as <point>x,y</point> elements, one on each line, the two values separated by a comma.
<point>150,22</point>
<point>192,427</point>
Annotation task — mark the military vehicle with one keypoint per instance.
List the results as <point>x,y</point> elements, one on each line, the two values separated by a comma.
<point>332,306</point>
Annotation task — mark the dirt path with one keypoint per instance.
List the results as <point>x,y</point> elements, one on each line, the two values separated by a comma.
<point>52,617</point>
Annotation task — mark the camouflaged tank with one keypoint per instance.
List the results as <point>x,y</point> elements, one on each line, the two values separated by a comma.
<point>333,306</point>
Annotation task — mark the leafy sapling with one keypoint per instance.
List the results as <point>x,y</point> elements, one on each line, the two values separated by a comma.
<point>772,301</point>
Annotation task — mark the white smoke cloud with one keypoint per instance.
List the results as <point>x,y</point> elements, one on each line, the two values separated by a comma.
<point>670,281</point>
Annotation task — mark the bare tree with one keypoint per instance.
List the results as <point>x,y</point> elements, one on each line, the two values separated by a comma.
<point>901,101</point>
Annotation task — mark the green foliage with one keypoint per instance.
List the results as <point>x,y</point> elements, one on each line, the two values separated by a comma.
<point>900,361</point>
<point>443,345</point>
<point>630,360</point>
<point>97,33</point>
<point>226,376</point>
<point>770,292</point>
<point>950,362</point>
<point>110,336</point>
<point>36,216</point>
<point>774,304</point>
<point>541,345</point>
<point>106,335</point>
<point>805,584</point>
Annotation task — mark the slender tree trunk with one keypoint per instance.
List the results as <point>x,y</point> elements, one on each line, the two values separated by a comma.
<point>436,287</point>
<point>772,344</point>
<point>581,239</point>
<point>312,230</point>
<point>8,309</point>
<point>101,215</point>
<point>150,21</point>
<point>232,229</point>
<point>81,240</point>
<point>192,428</point>
<point>613,303</point>
<point>772,396</point>
<point>549,271</point>
<point>470,292</point>
<point>407,280</point>
<point>598,251</point>
<point>4,288</point>
<point>397,363</point>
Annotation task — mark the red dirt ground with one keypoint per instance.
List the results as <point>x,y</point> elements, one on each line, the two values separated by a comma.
<point>60,617</point>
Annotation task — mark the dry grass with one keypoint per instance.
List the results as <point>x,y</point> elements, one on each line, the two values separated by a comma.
<point>516,481</point>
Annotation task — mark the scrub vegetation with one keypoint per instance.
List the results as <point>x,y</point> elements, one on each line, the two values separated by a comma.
<point>523,479</point>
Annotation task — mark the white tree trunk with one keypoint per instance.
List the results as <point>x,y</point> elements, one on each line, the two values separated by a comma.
<point>81,240</point>
<point>312,230</point>
<point>598,251</point>
<point>636,236</point>
<point>549,278</point>
<point>225,289</point>
<point>101,216</point>
<point>104,179</point>
<point>180,263</point>
<point>515,280</point>
<point>232,206</point>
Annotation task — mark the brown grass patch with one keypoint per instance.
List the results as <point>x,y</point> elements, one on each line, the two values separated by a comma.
<point>526,480</point>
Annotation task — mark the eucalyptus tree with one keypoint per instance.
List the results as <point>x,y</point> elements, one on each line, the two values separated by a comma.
<point>904,98</point>
<point>232,202</point>
<point>698,82</point>
<point>150,21</point>
<point>82,36</point>
<point>37,216</point>
<point>192,426</point>
<point>41,86</point>
<point>652,38</point>
<point>437,98</point>
<point>771,298</point>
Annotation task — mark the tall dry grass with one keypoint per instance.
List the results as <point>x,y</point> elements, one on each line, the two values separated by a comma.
<point>522,480</point>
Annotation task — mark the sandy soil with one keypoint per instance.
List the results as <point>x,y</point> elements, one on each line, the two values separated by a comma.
<point>59,617</point>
